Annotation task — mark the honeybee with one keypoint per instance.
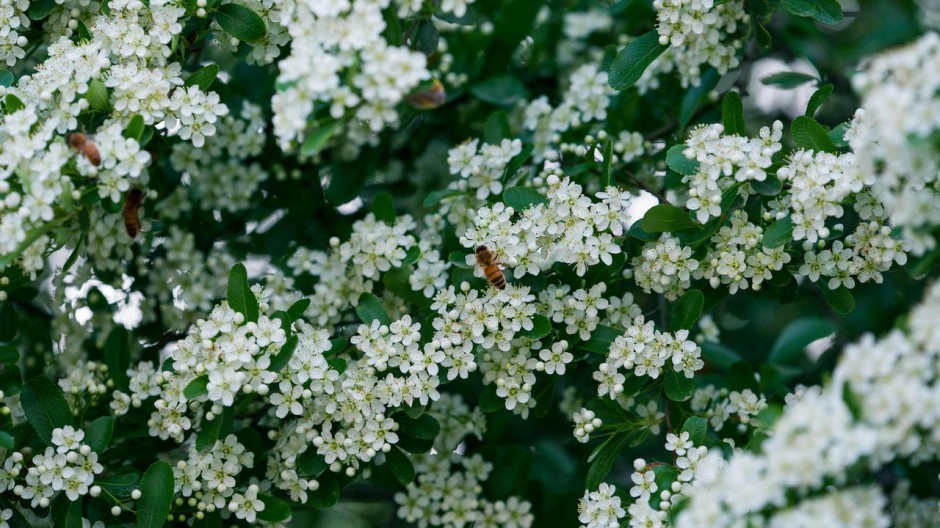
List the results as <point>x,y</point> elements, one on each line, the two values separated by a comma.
<point>131,212</point>
<point>487,260</point>
<point>429,98</point>
<point>86,146</point>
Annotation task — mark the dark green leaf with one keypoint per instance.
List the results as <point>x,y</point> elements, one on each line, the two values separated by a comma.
<point>197,388</point>
<point>426,38</point>
<point>800,8</point>
<point>65,513</point>
<point>608,160</point>
<point>719,356</point>
<point>793,340</point>
<point>6,440</point>
<point>517,162</point>
<point>496,127</point>
<point>678,387</point>
<point>40,9</point>
<point>732,114</point>
<point>840,299</point>
<point>12,103</point>
<point>6,78</point>
<point>687,311</point>
<point>45,407</point>
<point>156,488</point>
<point>310,463</point>
<point>695,96</point>
<point>296,310</point>
<point>666,218</point>
<point>9,354</point>
<point>677,161</point>
<point>117,356</point>
<point>769,186</point>
<point>283,356</point>
<point>490,401</point>
<point>97,95</point>
<point>502,90</point>
<point>275,510</point>
<point>632,60</point>
<point>240,297</point>
<point>787,80</point>
<point>209,432</point>
<point>697,428</point>
<point>120,485</point>
<point>603,460</point>
<point>541,327</point>
<point>828,11</point>
<point>400,465</point>
<point>601,339</point>
<point>779,232</point>
<point>459,259</point>
<point>241,22</point>
<point>520,198</point>
<point>327,494</point>
<point>203,77</point>
<point>425,427</point>
<point>370,309</point>
<point>434,197</point>
<point>809,134</point>
<point>98,433</point>
<point>818,98</point>
<point>317,138</point>
<point>9,321</point>
<point>383,207</point>
<point>135,128</point>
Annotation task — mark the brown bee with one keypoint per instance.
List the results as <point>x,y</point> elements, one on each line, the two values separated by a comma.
<point>131,212</point>
<point>86,146</point>
<point>429,98</point>
<point>487,260</point>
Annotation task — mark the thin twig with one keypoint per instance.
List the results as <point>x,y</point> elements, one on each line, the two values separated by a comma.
<point>636,181</point>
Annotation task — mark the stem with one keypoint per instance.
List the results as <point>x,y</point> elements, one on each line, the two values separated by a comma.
<point>636,181</point>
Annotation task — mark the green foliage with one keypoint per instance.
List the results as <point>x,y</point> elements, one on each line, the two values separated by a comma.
<point>632,61</point>
<point>45,407</point>
<point>156,488</point>
<point>667,218</point>
<point>240,297</point>
<point>241,22</point>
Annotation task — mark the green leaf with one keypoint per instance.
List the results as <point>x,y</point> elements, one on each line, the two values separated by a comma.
<point>318,137</point>
<point>520,198</point>
<point>275,510</point>
<point>209,432</point>
<point>697,427</point>
<point>120,485</point>
<point>310,463</point>
<point>541,327</point>
<point>761,34</point>
<point>424,427</point>
<point>241,22</point>
<point>502,90</point>
<point>459,259</point>
<point>383,207</point>
<point>6,440</point>
<point>788,80</point>
<point>793,340</point>
<point>608,160</point>
<point>603,460</point>
<point>284,355</point>
<point>12,103</point>
<point>156,488</point>
<point>513,464</point>
<point>327,494</point>
<point>9,354</point>
<point>97,95</point>
<point>496,127</point>
<point>695,96</point>
<point>434,197</point>
<point>40,9</point>
<point>632,60</point>
<point>809,134</point>
<point>678,387</point>
<point>6,78</point>
<point>203,77</point>
<point>9,321</point>
<point>400,465</point>
<point>800,8</point>
<point>677,161</point>
<point>135,128</point>
<point>666,218</point>
<point>732,114</point>
<point>45,407</point>
<point>197,387</point>
<point>65,513</point>
<point>240,297</point>
<point>687,311</point>
<point>490,401</point>
<point>517,162</point>
<point>83,32</point>
<point>98,433</point>
<point>117,356</point>
<point>818,98</point>
<point>296,310</point>
<point>719,356</point>
<point>779,232</point>
<point>769,186</point>
<point>426,38</point>
<point>601,339</point>
<point>840,299</point>
<point>370,309</point>
<point>828,12</point>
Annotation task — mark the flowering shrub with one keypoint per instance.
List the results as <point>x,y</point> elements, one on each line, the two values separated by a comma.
<point>469,263</point>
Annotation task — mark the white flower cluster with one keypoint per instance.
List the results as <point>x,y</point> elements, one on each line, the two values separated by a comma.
<point>876,409</point>
<point>644,351</point>
<point>446,496</point>
<point>585,100</point>
<point>580,311</point>
<point>601,508</point>
<point>585,423</point>
<point>68,466</point>
<point>665,266</point>
<point>865,254</point>
<point>571,228</point>
<point>430,272</point>
<point>13,19</point>
<point>219,174</point>
<point>481,168</point>
<point>891,135</point>
<point>457,422</point>
<point>719,406</point>
<point>700,34</point>
<point>349,269</point>
<point>723,160</point>
<point>738,258</point>
<point>851,508</point>
<point>266,50</point>
<point>340,60</point>
<point>210,476</point>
